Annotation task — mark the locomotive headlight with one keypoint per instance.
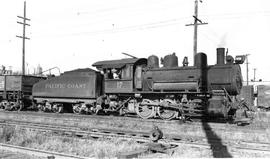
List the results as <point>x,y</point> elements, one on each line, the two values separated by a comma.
<point>240,59</point>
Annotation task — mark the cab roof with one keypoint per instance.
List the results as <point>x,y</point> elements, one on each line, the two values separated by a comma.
<point>119,63</point>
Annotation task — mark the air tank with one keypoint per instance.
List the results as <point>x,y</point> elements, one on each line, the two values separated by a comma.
<point>153,61</point>
<point>170,60</point>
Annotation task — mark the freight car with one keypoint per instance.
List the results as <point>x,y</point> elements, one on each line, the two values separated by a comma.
<point>16,90</point>
<point>139,86</point>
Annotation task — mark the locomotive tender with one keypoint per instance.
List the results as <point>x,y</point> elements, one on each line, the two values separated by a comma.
<point>139,86</point>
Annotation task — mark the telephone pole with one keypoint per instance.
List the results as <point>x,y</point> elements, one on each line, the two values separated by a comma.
<point>195,24</point>
<point>23,37</point>
<point>247,66</point>
<point>254,79</point>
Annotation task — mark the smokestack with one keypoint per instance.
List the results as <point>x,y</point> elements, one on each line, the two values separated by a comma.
<point>220,56</point>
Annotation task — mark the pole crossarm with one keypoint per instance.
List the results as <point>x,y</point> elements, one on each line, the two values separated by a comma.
<point>22,37</point>
<point>196,24</point>
<point>23,18</point>
<point>23,23</point>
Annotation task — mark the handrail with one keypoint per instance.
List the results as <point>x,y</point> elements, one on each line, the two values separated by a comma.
<point>51,69</point>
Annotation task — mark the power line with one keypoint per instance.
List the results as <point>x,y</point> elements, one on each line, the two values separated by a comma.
<point>116,30</point>
<point>129,28</point>
<point>117,11</point>
<point>240,14</point>
<point>234,16</point>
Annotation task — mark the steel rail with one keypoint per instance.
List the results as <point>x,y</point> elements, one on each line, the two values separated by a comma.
<point>221,126</point>
<point>39,153</point>
<point>144,137</point>
<point>89,129</point>
<point>84,116</point>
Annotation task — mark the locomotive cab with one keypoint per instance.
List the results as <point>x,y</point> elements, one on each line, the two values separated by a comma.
<point>122,76</point>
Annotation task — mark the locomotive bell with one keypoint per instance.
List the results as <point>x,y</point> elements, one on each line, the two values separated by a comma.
<point>153,61</point>
<point>229,59</point>
<point>170,60</point>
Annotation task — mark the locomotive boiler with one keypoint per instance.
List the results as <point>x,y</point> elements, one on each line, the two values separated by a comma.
<point>140,86</point>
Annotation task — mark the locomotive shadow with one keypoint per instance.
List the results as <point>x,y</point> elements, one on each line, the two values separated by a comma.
<point>218,149</point>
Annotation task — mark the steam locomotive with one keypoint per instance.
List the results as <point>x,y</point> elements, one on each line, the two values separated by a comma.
<point>140,86</point>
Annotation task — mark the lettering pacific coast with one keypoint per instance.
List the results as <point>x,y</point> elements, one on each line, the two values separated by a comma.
<point>65,85</point>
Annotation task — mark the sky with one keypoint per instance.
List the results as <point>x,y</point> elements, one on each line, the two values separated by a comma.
<point>74,34</point>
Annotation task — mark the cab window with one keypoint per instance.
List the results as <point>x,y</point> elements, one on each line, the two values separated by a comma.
<point>126,72</point>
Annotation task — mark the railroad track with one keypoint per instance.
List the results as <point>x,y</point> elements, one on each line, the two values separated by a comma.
<point>83,116</point>
<point>144,137</point>
<point>38,153</point>
<point>80,132</point>
<point>69,116</point>
<point>85,122</point>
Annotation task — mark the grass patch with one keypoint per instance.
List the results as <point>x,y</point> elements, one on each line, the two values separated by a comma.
<point>100,148</point>
<point>6,133</point>
<point>262,119</point>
